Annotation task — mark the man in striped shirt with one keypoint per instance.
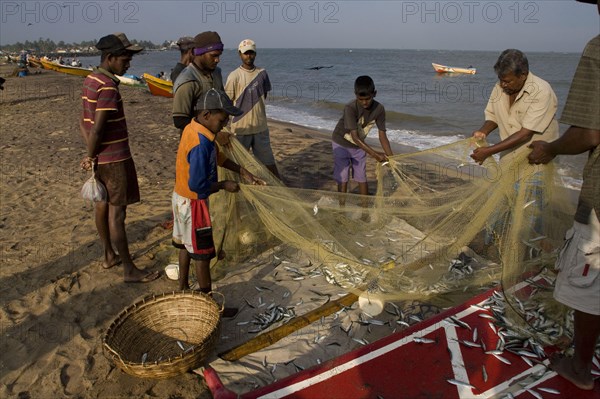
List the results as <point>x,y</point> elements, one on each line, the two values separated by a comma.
<point>104,129</point>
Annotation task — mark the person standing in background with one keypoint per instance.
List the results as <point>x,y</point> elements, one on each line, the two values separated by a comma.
<point>186,48</point>
<point>247,86</point>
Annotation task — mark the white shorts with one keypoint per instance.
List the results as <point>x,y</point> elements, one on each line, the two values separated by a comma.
<point>578,265</point>
<point>192,227</point>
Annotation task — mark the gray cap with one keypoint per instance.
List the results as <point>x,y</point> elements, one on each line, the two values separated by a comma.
<point>186,43</point>
<point>217,99</point>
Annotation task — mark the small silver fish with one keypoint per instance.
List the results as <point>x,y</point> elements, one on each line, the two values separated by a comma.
<point>470,344</point>
<point>502,359</point>
<point>422,340</point>
<point>526,360</point>
<point>549,390</point>
<point>535,394</point>
<point>460,383</point>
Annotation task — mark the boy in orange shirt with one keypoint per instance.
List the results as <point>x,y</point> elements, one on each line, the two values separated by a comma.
<point>195,180</point>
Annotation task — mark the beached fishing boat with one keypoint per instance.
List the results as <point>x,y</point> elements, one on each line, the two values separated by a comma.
<point>65,68</point>
<point>131,80</point>
<point>447,69</point>
<point>158,87</point>
<point>35,62</point>
<point>444,356</point>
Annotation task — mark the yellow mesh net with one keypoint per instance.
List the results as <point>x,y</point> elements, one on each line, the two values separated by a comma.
<point>439,229</point>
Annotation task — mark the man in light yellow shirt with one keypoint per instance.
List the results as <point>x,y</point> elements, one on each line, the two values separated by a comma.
<point>522,107</point>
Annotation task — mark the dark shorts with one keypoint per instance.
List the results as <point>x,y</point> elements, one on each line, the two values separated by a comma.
<point>261,146</point>
<point>120,180</point>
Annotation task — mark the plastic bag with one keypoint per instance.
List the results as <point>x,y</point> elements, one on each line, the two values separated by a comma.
<point>93,190</point>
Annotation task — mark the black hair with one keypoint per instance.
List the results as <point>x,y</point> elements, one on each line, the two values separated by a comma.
<point>364,86</point>
<point>511,61</point>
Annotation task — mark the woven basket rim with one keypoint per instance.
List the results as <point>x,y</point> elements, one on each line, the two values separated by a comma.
<point>166,367</point>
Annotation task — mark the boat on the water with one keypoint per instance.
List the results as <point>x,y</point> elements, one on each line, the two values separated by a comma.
<point>158,87</point>
<point>71,70</point>
<point>448,69</point>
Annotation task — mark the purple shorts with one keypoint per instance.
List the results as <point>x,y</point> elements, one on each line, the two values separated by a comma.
<point>344,158</point>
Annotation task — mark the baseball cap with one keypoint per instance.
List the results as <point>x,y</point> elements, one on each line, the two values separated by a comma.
<point>247,45</point>
<point>117,42</point>
<point>217,99</point>
<point>185,42</point>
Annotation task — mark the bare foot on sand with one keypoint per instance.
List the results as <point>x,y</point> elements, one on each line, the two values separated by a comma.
<point>109,263</point>
<point>565,368</point>
<point>140,276</point>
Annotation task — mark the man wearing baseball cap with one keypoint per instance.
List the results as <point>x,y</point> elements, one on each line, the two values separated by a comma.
<point>104,129</point>
<point>186,48</point>
<point>201,75</point>
<point>248,86</point>
<point>578,281</point>
<point>195,180</point>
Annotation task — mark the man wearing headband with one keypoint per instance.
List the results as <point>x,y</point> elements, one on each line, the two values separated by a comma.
<point>201,75</point>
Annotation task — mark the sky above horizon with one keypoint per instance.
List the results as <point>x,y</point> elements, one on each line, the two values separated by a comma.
<point>547,25</point>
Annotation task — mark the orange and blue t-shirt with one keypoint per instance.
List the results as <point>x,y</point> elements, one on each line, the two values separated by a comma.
<point>101,93</point>
<point>197,160</point>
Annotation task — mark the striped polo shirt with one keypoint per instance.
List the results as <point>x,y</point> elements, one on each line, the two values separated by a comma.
<point>101,93</point>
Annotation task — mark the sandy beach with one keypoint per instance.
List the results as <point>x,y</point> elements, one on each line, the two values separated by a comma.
<point>57,300</point>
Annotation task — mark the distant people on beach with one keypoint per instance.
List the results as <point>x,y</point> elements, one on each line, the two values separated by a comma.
<point>104,129</point>
<point>201,75</point>
<point>578,280</point>
<point>348,140</point>
<point>186,48</point>
<point>248,86</point>
<point>195,180</point>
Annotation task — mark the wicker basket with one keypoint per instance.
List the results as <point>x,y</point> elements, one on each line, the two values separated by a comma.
<point>164,335</point>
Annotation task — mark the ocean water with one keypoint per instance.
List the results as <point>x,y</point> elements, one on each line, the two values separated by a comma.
<point>423,109</point>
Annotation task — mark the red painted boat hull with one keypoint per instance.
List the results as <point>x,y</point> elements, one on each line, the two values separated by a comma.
<point>398,367</point>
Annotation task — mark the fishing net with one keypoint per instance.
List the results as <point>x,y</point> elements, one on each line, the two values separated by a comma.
<point>439,229</point>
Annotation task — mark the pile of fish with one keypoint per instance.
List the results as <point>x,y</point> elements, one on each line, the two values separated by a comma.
<point>517,340</point>
<point>273,314</point>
